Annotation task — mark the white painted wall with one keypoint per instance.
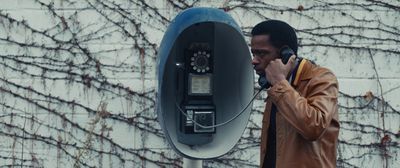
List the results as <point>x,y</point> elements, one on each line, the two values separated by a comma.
<point>58,110</point>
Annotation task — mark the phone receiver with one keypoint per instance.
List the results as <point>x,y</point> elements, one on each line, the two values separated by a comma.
<point>285,53</point>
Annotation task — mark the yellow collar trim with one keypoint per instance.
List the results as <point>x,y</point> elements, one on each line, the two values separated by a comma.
<point>296,80</point>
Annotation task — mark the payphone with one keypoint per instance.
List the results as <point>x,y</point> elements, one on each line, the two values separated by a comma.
<point>205,83</point>
<point>198,103</point>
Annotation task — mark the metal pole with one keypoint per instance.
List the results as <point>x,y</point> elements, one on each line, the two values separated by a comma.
<point>190,163</point>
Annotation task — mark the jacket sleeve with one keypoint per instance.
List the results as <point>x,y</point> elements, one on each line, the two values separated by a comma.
<point>312,114</point>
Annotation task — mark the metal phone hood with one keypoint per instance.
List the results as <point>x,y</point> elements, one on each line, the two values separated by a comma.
<point>232,80</point>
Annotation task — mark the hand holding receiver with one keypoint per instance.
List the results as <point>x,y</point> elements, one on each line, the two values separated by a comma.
<point>278,69</point>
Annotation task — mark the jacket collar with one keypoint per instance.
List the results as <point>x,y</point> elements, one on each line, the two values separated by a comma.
<point>304,71</point>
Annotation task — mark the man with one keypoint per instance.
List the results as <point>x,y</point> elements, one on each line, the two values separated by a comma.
<point>300,123</point>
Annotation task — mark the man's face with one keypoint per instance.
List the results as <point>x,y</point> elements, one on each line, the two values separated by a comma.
<point>263,52</point>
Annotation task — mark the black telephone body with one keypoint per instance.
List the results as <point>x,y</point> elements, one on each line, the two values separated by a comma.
<point>197,102</point>
<point>285,52</point>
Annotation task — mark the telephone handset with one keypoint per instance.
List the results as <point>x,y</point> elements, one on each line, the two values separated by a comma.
<point>285,52</point>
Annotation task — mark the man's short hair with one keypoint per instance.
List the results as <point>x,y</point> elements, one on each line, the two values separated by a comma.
<point>280,33</point>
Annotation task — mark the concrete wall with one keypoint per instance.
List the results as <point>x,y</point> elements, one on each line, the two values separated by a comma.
<point>77,79</point>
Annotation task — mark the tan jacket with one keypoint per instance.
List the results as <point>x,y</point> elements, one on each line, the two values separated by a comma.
<point>307,124</point>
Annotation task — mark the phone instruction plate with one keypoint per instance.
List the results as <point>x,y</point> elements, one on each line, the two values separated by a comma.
<point>200,84</point>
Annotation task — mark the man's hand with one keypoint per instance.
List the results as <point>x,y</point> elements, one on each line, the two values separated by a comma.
<point>276,71</point>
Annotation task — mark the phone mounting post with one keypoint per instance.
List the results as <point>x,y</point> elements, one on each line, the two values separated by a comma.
<point>191,163</point>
